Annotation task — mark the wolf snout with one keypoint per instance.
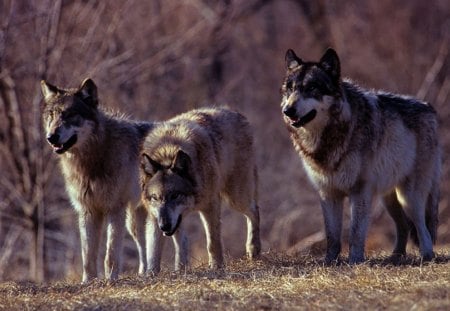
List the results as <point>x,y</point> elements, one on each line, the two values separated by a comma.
<point>165,227</point>
<point>60,145</point>
<point>53,138</point>
<point>290,112</point>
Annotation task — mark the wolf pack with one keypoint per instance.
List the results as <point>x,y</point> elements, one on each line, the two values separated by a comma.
<point>145,177</point>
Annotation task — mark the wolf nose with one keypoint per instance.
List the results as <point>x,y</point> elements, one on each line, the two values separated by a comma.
<point>290,112</point>
<point>53,138</point>
<point>165,227</point>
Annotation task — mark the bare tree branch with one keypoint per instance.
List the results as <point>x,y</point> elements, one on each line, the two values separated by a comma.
<point>434,70</point>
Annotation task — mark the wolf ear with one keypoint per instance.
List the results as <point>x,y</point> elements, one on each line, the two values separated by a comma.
<point>48,90</point>
<point>149,166</point>
<point>88,92</point>
<point>330,63</point>
<point>182,163</point>
<point>292,60</point>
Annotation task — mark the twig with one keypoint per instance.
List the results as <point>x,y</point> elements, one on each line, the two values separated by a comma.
<point>434,70</point>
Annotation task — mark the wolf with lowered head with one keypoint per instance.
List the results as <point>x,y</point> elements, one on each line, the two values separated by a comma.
<point>193,162</point>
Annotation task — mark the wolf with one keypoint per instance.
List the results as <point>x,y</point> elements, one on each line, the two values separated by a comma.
<point>193,162</point>
<point>99,154</point>
<point>360,144</point>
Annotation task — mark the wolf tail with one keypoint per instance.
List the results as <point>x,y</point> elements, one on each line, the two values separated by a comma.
<point>431,215</point>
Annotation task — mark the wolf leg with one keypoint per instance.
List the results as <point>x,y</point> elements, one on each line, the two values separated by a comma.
<point>155,243</point>
<point>242,201</point>
<point>414,204</point>
<point>332,215</point>
<point>114,239</point>
<point>136,218</point>
<point>90,232</point>
<point>432,209</point>
<point>360,208</point>
<point>253,244</point>
<point>181,246</point>
<point>402,223</point>
<point>211,223</point>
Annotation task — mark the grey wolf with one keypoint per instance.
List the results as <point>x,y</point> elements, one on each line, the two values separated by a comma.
<point>99,156</point>
<point>358,144</point>
<point>193,162</point>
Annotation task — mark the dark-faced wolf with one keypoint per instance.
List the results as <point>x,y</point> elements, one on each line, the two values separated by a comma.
<point>193,162</point>
<point>357,143</point>
<point>99,156</point>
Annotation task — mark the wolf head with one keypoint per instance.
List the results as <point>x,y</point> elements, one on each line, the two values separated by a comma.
<point>69,115</point>
<point>311,90</point>
<point>168,189</point>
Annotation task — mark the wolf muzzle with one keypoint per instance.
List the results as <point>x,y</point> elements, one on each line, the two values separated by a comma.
<point>58,147</point>
<point>166,227</point>
<point>291,113</point>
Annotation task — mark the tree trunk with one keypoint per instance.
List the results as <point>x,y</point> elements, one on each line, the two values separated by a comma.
<point>37,266</point>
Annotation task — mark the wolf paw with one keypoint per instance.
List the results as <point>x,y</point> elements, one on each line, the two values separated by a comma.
<point>354,260</point>
<point>396,258</point>
<point>427,257</point>
<point>253,252</point>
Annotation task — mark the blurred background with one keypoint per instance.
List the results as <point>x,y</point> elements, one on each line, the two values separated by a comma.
<point>154,59</point>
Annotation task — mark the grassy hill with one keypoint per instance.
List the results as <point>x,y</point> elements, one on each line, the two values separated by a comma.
<point>274,282</point>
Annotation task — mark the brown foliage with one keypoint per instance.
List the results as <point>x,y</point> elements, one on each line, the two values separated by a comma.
<point>154,59</point>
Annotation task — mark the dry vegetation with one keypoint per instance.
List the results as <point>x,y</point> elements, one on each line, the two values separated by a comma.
<point>154,59</point>
<point>276,282</point>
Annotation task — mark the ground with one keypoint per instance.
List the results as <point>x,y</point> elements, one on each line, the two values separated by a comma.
<point>275,282</point>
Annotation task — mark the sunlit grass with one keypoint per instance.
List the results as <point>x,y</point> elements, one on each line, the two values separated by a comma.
<point>274,282</point>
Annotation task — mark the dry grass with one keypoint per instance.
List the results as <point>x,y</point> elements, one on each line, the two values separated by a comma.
<point>275,282</point>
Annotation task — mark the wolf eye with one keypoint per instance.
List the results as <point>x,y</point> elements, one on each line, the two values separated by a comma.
<point>53,116</point>
<point>311,89</point>
<point>68,117</point>
<point>153,198</point>
<point>289,85</point>
<point>175,196</point>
